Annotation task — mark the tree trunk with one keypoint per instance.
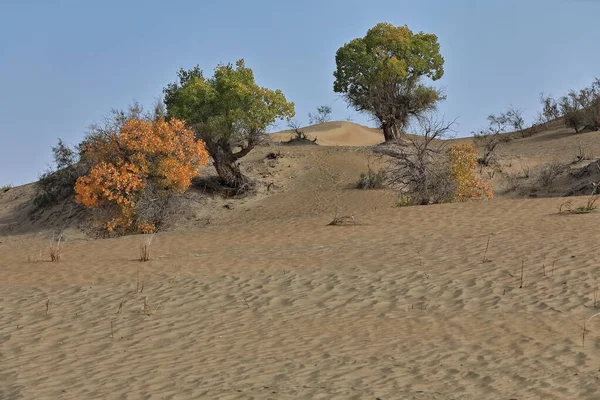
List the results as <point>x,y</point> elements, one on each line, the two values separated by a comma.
<point>390,131</point>
<point>227,168</point>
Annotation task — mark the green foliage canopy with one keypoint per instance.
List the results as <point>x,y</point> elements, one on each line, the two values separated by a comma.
<point>382,73</point>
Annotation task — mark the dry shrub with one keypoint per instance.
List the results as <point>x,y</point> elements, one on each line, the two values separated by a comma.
<point>548,173</point>
<point>425,172</point>
<point>136,169</point>
<point>418,164</point>
<point>371,180</point>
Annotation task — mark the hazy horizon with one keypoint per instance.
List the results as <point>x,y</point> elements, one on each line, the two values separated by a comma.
<point>66,65</point>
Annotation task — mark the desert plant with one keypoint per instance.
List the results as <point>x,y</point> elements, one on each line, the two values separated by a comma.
<point>490,138</point>
<point>514,117</point>
<point>417,166</point>
<point>56,248</point>
<point>579,109</point>
<point>145,247</point>
<point>588,207</point>
<point>322,115</point>
<point>299,135</point>
<point>548,173</point>
<point>371,180</point>
<point>142,163</point>
<point>226,111</point>
<point>6,188</point>
<point>381,74</point>
<point>463,167</point>
<point>56,184</point>
<point>550,110</point>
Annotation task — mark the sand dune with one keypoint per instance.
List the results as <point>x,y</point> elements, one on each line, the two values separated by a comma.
<point>263,300</point>
<point>400,307</point>
<point>337,134</point>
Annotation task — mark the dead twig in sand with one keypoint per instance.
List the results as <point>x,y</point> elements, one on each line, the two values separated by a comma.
<point>523,278</point>
<point>343,220</point>
<point>48,303</point>
<point>246,301</point>
<point>485,260</point>
<point>145,307</point>
<point>585,324</point>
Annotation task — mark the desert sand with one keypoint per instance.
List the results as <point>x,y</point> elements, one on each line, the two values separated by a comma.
<point>264,300</point>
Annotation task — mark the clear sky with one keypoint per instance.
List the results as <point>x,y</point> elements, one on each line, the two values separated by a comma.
<point>65,64</point>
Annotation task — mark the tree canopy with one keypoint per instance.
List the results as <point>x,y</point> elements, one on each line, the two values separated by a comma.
<point>382,73</point>
<point>228,110</point>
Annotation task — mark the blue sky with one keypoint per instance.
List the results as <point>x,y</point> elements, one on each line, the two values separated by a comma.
<point>65,64</point>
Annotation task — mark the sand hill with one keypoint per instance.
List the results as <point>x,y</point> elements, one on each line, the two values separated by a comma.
<point>262,300</point>
<point>337,134</point>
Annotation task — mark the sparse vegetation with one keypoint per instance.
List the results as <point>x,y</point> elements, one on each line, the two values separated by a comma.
<point>382,74</point>
<point>57,183</point>
<point>145,247</point>
<point>322,115</point>
<point>299,135</point>
<point>418,167</point>
<point>490,138</point>
<point>580,110</point>
<point>56,248</point>
<point>547,173</point>
<point>371,180</point>
<point>588,207</point>
<point>5,188</point>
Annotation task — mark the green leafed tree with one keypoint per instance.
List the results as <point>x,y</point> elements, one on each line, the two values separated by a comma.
<point>228,111</point>
<point>382,74</point>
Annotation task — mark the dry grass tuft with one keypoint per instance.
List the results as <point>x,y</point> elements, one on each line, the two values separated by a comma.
<point>145,248</point>
<point>588,207</point>
<point>56,248</point>
<point>343,220</point>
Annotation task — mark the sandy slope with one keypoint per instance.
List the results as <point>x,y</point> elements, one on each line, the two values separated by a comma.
<point>339,133</point>
<point>268,302</point>
<point>400,307</point>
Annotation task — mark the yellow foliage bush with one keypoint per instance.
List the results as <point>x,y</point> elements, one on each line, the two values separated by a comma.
<point>123,163</point>
<point>463,168</point>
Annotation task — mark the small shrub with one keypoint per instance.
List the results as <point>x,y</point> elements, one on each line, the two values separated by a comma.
<point>371,180</point>
<point>5,188</point>
<point>322,115</point>
<point>548,173</point>
<point>57,183</point>
<point>406,201</point>
<point>143,160</point>
<point>463,169</point>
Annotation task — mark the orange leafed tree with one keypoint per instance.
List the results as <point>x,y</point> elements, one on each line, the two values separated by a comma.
<point>162,155</point>
<point>463,167</point>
